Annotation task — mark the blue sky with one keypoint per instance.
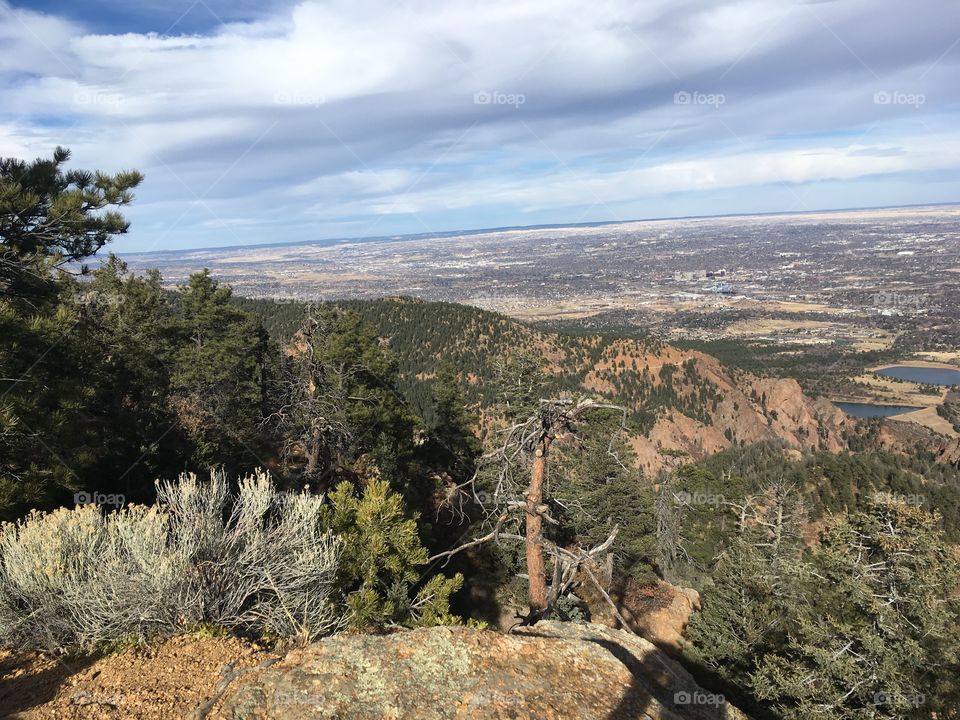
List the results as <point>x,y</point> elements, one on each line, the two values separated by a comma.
<point>258,122</point>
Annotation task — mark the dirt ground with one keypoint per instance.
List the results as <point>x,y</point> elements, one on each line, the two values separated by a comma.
<point>894,392</point>
<point>929,418</point>
<point>168,679</point>
<point>918,361</point>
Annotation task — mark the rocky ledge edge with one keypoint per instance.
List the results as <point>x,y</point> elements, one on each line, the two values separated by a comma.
<point>548,671</point>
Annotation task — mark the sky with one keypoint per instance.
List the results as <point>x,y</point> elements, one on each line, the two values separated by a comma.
<point>260,122</point>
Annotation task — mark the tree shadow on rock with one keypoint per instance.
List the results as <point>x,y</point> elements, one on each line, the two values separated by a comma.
<point>655,681</point>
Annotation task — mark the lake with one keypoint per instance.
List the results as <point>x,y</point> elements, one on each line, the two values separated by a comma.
<point>924,375</point>
<point>869,410</point>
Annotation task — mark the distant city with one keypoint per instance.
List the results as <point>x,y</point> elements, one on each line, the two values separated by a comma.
<point>852,277</point>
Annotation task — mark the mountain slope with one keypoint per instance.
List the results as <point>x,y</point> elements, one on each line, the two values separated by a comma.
<point>682,402</point>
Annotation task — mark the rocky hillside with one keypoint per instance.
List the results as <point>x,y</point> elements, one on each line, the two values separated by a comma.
<point>683,402</point>
<point>949,452</point>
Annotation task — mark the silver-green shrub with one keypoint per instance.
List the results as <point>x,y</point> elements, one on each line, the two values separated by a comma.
<point>260,561</point>
<point>79,579</point>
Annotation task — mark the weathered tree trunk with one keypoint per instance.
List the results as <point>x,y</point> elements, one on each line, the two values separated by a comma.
<point>536,567</point>
<point>313,454</point>
<point>667,533</point>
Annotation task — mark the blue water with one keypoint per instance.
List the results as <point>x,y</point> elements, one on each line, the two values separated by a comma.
<point>925,375</point>
<point>869,410</point>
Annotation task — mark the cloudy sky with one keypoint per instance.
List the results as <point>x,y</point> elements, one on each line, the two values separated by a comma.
<point>262,121</point>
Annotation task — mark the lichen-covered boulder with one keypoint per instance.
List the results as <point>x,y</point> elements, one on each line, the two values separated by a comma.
<point>551,670</point>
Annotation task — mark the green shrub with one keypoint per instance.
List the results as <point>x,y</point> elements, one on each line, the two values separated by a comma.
<point>383,561</point>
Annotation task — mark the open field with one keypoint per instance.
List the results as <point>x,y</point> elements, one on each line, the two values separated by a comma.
<point>928,418</point>
<point>946,359</point>
<point>921,363</point>
<point>877,388</point>
<point>770,326</point>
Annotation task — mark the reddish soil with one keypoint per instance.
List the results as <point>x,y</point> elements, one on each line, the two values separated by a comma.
<point>168,679</point>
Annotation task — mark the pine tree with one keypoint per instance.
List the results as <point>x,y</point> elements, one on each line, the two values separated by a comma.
<point>453,446</point>
<point>217,378</point>
<point>383,560</point>
<point>596,488</point>
<point>49,218</point>
<point>743,616</point>
<point>127,327</point>
<point>339,406</point>
<point>875,632</point>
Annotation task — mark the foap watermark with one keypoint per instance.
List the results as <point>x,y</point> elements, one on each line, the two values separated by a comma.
<point>900,300</point>
<point>277,300</point>
<point>99,499</point>
<point>299,99</point>
<point>896,97</point>
<point>912,500</point>
<point>492,498</point>
<point>495,97</point>
<point>98,297</point>
<point>94,97</point>
<point>698,697</point>
<point>685,97</point>
<point>698,498</point>
<point>898,699</point>
<point>298,697</point>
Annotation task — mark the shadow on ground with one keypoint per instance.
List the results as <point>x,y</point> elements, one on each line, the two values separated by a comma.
<point>29,680</point>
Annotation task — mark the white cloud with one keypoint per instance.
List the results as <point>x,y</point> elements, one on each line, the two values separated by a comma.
<point>717,172</point>
<point>33,42</point>
<point>337,110</point>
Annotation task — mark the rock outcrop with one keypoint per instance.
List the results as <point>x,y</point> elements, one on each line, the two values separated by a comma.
<point>949,452</point>
<point>548,671</point>
<point>659,612</point>
<point>751,409</point>
<point>665,626</point>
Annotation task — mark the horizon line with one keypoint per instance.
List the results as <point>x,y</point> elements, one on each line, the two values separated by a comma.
<point>542,226</point>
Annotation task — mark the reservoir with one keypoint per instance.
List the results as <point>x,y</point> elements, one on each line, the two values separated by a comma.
<point>924,375</point>
<point>869,410</point>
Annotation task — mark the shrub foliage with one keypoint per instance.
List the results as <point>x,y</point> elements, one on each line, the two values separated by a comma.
<point>79,580</point>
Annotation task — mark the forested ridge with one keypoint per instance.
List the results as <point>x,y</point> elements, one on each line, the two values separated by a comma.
<point>477,342</point>
<point>397,463</point>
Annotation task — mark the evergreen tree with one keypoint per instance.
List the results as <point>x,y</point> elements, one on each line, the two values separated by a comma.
<point>741,619</point>
<point>340,408</point>
<point>381,569</point>
<point>217,378</point>
<point>129,329</point>
<point>876,632</point>
<point>42,390</point>
<point>49,218</point>
<point>453,445</point>
<point>597,488</point>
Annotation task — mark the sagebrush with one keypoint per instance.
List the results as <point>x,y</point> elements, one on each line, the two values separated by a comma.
<point>261,561</point>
